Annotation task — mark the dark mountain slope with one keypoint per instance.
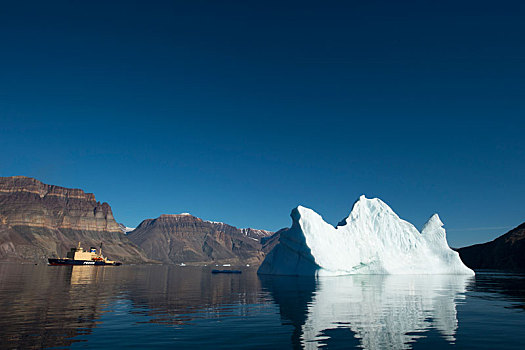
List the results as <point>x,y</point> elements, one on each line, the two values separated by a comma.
<point>506,252</point>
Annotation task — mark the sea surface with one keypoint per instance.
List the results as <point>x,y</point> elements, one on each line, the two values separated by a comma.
<point>175,307</point>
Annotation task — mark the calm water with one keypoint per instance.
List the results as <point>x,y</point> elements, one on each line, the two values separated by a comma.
<point>186,307</point>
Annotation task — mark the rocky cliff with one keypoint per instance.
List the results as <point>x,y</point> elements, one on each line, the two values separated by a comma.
<point>38,221</point>
<point>187,239</point>
<point>269,242</point>
<point>506,252</point>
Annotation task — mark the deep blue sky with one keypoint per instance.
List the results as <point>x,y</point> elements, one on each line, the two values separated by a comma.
<point>238,111</point>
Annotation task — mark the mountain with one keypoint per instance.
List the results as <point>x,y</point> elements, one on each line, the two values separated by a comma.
<point>506,252</point>
<point>38,221</point>
<point>371,240</point>
<point>269,242</point>
<point>184,238</point>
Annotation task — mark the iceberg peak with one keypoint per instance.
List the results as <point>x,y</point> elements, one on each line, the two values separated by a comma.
<point>433,223</point>
<point>367,207</point>
<point>372,205</point>
<point>371,240</point>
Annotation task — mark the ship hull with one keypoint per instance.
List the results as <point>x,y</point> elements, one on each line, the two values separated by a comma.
<point>59,262</point>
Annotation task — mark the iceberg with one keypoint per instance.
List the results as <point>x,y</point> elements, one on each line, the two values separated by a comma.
<point>371,240</point>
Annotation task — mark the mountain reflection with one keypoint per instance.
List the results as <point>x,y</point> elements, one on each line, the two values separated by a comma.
<point>56,307</point>
<point>46,307</point>
<point>380,311</point>
<point>175,295</point>
<point>511,285</point>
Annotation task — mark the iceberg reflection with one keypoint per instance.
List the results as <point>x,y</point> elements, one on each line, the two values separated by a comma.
<point>382,311</point>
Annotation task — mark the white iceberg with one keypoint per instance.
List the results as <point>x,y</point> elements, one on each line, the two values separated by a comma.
<point>372,240</point>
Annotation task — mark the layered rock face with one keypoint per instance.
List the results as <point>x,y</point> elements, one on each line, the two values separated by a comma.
<point>187,239</point>
<point>506,252</point>
<point>38,221</point>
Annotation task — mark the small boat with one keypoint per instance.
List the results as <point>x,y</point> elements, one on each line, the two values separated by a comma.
<point>77,256</point>
<point>226,271</point>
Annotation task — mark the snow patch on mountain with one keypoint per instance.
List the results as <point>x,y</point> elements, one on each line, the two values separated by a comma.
<point>249,232</point>
<point>125,229</point>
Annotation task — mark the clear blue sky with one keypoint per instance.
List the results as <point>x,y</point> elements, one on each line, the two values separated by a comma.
<point>238,111</point>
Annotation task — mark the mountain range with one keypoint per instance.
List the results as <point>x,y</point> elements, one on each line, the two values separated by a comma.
<point>184,238</point>
<point>40,221</point>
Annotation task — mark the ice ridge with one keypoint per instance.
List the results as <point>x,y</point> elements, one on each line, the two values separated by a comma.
<point>373,239</point>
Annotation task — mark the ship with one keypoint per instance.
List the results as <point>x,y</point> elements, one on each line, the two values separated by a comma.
<point>78,256</point>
